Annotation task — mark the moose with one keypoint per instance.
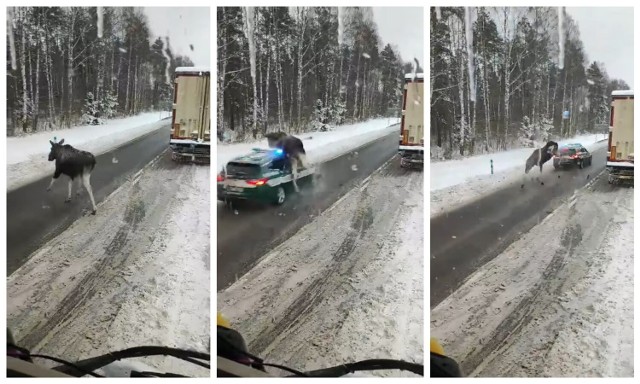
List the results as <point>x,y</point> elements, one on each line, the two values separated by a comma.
<point>541,156</point>
<point>75,164</point>
<point>293,150</point>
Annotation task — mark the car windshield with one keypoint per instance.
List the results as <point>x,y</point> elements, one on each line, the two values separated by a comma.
<point>243,170</point>
<point>567,151</point>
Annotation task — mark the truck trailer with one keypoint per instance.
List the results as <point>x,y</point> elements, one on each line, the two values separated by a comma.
<point>411,146</point>
<point>620,150</point>
<point>191,121</point>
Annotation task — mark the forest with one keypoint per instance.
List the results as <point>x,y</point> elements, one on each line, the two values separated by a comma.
<point>81,65</point>
<point>506,77</point>
<point>297,69</point>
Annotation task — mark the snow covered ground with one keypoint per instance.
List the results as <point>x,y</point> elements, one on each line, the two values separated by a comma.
<point>557,302</point>
<point>348,286</point>
<point>459,182</point>
<point>321,146</point>
<point>27,155</point>
<point>137,273</point>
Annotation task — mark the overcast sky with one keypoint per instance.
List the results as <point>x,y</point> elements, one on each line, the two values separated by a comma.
<point>607,35</point>
<point>185,26</point>
<point>403,27</point>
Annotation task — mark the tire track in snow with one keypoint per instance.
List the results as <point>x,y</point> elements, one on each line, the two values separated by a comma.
<point>307,299</point>
<point>296,302</point>
<point>504,323</point>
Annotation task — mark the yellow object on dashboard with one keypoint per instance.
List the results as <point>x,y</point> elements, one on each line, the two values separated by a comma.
<point>223,322</point>
<point>436,347</point>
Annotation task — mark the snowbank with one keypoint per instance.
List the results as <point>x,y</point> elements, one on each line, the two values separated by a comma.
<point>27,155</point>
<point>557,302</point>
<point>320,146</point>
<point>458,182</point>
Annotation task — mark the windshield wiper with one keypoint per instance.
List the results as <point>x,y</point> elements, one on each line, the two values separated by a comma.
<point>98,362</point>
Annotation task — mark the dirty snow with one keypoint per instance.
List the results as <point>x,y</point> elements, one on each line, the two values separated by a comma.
<point>137,273</point>
<point>348,286</point>
<point>27,155</point>
<point>557,302</point>
<point>321,146</point>
<point>459,182</point>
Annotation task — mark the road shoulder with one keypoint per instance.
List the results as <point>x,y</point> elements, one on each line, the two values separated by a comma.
<point>310,302</point>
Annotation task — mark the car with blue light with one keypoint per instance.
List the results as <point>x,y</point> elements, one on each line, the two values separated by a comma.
<point>263,175</point>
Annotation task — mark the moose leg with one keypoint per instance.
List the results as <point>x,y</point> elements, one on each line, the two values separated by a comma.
<point>79,187</point>
<point>69,194</point>
<point>56,174</point>
<point>529,164</point>
<point>540,161</point>
<point>87,185</point>
<point>302,160</point>
<point>294,169</point>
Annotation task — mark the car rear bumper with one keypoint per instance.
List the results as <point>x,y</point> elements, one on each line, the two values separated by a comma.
<point>567,162</point>
<point>262,194</point>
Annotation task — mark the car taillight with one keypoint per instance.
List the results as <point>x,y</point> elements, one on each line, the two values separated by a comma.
<point>257,182</point>
<point>220,178</point>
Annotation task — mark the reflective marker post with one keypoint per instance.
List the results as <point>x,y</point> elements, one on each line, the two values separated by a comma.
<point>491,166</point>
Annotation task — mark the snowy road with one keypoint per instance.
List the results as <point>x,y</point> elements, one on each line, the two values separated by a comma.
<point>466,238</point>
<point>251,231</point>
<point>36,216</point>
<point>348,286</point>
<point>558,302</point>
<point>138,273</point>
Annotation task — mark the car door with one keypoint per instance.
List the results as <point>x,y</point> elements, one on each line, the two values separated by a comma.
<point>585,154</point>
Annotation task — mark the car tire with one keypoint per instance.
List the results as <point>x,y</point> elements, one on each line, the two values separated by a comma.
<point>281,196</point>
<point>581,164</point>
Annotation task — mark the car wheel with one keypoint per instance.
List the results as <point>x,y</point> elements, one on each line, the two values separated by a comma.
<point>581,164</point>
<point>281,196</point>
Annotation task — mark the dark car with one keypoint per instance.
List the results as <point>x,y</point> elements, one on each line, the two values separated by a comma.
<point>572,155</point>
